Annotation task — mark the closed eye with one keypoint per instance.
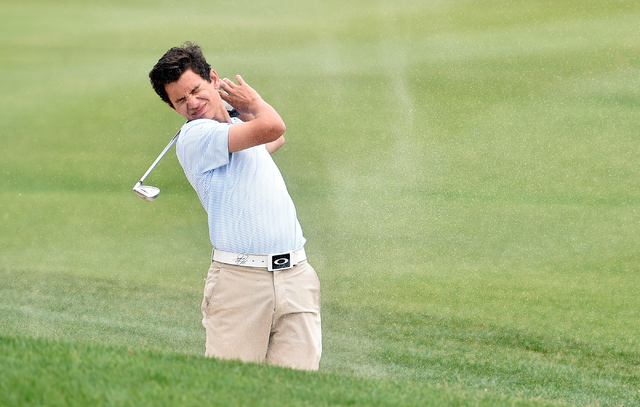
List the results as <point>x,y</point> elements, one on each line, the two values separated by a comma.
<point>183,99</point>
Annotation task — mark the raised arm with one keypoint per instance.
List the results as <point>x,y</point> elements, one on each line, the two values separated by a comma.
<point>271,147</point>
<point>267,125</point>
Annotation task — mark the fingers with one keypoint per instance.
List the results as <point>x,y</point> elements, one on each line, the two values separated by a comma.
<point>240,96</point>
<point>224,95</point>
<point>226,82</point>
<point>242,89</point>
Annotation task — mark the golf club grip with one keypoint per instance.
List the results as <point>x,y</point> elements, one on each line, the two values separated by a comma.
<point>173,140</point>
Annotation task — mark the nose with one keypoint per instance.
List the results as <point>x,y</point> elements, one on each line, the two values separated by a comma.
<point>192,101</point>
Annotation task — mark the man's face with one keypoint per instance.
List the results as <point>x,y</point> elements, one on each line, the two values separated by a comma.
<point>194,97</point>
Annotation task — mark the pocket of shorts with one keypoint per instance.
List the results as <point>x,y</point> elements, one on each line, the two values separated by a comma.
<point>209,287</point>
<point>316,288</point>
<point>303,292</point>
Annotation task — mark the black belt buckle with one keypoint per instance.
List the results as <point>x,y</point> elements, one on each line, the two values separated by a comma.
<point>280,261</point>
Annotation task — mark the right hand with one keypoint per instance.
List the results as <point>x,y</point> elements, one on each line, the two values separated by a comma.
<point>241,96</point>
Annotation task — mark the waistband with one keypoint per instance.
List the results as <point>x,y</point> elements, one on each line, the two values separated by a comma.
<point>278,261</point>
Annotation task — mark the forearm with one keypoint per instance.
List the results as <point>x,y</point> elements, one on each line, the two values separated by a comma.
<point>267,126</point>
<point>273,146</point>
<point>271,124</point>
<point>246,117</point>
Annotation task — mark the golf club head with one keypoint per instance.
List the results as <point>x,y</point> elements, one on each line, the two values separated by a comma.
<point>146,192</point>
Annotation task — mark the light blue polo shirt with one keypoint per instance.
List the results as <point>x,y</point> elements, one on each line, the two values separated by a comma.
<point>249,208</point>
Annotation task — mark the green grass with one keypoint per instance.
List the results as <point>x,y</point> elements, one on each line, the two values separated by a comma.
<point>55,373</point>
<point>466,175</point>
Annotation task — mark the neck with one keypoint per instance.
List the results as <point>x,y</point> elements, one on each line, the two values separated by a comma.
<point>221,114</point>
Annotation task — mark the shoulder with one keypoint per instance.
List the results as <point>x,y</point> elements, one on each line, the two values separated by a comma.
<point>203,145</point>
<point>197,133</point>
<point>203,126</point>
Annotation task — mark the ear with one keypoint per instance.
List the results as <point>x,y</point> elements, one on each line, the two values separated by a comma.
<point>215,80</point>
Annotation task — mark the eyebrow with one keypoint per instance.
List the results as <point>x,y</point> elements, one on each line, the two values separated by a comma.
<point>183,98</point>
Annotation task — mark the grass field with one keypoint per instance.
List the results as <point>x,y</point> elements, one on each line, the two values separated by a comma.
<point>466,174</point>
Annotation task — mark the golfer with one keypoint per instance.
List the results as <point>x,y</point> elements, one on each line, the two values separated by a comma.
<point>261,296</point>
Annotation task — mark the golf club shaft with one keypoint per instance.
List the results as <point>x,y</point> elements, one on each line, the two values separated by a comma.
<point>173,140</point>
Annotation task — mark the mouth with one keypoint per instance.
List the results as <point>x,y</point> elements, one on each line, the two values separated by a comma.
<point>199,111</point>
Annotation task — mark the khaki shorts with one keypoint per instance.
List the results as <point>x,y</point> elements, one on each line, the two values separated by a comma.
<point>256,315</point>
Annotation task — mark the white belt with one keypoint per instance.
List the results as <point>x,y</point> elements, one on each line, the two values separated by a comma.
<point>279,261</point>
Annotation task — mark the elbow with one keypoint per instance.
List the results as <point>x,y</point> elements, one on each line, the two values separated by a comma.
<point>281,129</point>
<point>278,130</point>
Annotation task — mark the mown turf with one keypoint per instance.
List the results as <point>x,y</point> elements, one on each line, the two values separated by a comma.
<point>365,342</point>
<point>42,373</point>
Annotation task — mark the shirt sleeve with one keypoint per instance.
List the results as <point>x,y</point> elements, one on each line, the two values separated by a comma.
<point>203,145</point>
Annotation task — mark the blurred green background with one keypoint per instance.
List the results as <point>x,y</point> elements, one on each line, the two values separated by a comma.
<point>457,166</point>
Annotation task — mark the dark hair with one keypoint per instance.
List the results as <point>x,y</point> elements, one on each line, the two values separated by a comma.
<point>174,63</point>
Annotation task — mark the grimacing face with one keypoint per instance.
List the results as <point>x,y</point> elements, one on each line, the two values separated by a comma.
<point>194,97</point>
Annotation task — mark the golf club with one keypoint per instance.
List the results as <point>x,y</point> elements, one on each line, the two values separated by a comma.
<point>147,192</point>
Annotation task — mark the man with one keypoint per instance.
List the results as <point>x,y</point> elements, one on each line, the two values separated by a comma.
<point>261,297</point>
